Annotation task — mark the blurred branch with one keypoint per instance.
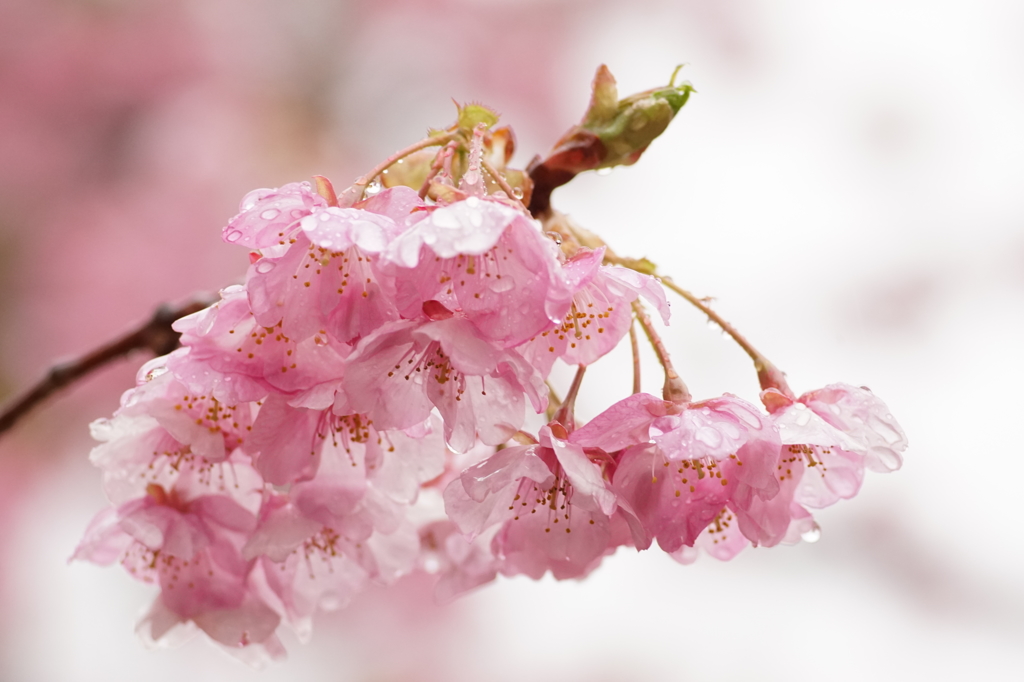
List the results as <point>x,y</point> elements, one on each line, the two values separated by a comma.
<point>155,335</point>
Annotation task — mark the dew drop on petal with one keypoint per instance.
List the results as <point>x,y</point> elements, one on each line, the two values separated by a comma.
<point>517,192</point>
<point>265,266</point>
<point>812,534</point>
<point>233,236</point>
<point>155,372</point>
<point>373,188</point>
<point>270,214</point>
<point>604,171</point>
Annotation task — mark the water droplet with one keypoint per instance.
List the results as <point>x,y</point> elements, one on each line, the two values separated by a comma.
<point>812,534</point>
<point>265,266</point>
<point>708,436</point>
<point>373,188</point>
<point>604,171</point>
<point>155,372</point>
<point>233,236</point>
<point>555,237</point>
<point>473,202</point>
<point>270,214</point>
<point>517,192</point>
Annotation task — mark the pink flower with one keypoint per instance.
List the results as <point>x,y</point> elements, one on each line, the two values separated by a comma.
<point>230,355</point>
<point>599,316</point>
<point>398,373</point>
<point>327,277</point>
<point>268,218</point>
<point>313,289</point>
<point>552,503</point>
<point>163,430</point>
<point>190,545</point>
<point>320,549</point>
<point>487,261</point>
<point>695,462</point>
<point>829,436</point>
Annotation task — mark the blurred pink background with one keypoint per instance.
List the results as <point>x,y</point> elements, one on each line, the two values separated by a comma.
<point>847,183</point>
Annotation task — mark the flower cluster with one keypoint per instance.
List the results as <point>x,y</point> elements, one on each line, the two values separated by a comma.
<point>358,410</point>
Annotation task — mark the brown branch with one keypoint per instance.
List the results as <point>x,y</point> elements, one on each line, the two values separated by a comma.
<point>155,335</point>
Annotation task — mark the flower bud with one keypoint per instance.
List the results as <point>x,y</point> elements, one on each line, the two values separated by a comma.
<point>613,132</point>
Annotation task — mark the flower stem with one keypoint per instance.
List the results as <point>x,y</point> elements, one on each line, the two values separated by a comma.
<point>675,390</point>
<point>435,167</point>
<point>566,413</point>
<point>502,182</point>
<point>554,402</point>
<point>636,357</point>
<point>767,373</point>
<point>355,192</point>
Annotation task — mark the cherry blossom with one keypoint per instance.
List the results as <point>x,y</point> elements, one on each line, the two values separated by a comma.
<point>366,403</point>
<point>489,262</point>
<point>599,315</point>
<point>695,461</point>
<point>551,501</point>
<point>829,436</point>
<point>404,369</point>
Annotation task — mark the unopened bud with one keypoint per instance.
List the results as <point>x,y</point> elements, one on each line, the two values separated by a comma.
<point>613,132</point>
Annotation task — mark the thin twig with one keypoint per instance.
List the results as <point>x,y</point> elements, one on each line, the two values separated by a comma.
<point>636,356</point>
<point>502,182</point>
<point>565,414</point>
<point>675,390</point>
<point>355,192</point>
<point>155,335</point>
<point>768,374</point>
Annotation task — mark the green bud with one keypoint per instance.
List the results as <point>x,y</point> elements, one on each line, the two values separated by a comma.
<point>613,132</point>
<point>471,115</point>
<point>626,127</point>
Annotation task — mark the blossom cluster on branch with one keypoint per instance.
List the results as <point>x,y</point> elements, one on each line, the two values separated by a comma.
<point>359,408</point>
